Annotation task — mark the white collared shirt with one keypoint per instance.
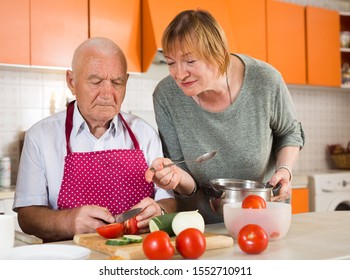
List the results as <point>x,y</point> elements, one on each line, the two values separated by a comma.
<point>42,161</point>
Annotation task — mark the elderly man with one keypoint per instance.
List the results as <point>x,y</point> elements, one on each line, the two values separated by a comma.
<point>81,166</point>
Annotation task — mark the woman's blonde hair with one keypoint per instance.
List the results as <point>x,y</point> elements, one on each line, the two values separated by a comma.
<point>198,32</point>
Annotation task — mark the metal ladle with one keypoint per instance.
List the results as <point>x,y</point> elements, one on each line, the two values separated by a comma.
<point>200,159</point>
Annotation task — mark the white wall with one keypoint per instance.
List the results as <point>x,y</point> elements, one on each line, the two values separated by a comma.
<point>28,95</point>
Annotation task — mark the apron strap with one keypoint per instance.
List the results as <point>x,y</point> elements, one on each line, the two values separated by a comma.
<point>132,135</point>
<point>69,127</point>
<point>69,124</point>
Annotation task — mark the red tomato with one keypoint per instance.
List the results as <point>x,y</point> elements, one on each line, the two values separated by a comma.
<point>254,202</point>
<point>157,246</point>
<point>252,239</point>
<point>130,226</point>
<point>191,243</point>
<point>111,230</point>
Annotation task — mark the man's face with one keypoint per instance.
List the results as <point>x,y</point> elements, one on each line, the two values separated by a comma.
<point>99,84</point>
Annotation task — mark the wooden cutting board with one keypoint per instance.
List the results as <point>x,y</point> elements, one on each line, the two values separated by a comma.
<point>134,251</point>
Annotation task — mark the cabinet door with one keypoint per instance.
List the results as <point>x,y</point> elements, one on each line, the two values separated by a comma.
<point>119,21</point>
<point>57,28</point>
<point>221,12</point>
<point>286,40</point>
<point>323,55</point>
<point>157,14</point>
<point>248,25</point>
<point>300,200</point>
<point>14,32</point>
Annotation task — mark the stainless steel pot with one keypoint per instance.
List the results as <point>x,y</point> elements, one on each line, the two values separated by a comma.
<point>234,190</point>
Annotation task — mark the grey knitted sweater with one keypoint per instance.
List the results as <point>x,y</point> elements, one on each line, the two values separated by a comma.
<point>246,135</point>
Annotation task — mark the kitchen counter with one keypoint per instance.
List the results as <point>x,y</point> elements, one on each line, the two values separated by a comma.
<point>300,181</point>
<point>312,236</point>
<point>6,193</point>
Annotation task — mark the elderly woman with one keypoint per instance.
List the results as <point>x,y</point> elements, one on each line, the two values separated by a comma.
<point>215,100</point>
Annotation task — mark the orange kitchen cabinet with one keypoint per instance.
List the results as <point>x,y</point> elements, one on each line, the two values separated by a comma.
<point>300,200</point>
<point>119,21</point>
<point>323,45</point>
<point>221,12</point>
<point>248,27</point>
<point>14,32</point>
<point>157,14</point>
<point>57,28</point>
<point>286,46</point>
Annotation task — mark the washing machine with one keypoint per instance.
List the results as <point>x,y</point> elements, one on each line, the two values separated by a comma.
<point>329,191</point>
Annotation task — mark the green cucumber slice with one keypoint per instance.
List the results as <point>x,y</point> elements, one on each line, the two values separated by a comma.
<point>117,242</point>
<point>133,238</point>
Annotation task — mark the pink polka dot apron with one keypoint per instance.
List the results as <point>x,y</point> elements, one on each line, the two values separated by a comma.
<point>111,178</point>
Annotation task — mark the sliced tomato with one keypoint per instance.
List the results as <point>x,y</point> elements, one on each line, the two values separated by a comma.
<point>111,230</point>
<point>254,202</point>
<point>130,226</point>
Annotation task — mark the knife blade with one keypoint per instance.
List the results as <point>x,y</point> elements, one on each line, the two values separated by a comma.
<point>122,217</point>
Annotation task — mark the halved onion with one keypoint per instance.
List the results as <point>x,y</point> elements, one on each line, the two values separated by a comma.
<point>188,219</point>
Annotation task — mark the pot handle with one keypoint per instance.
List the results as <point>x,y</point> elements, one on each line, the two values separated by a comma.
<point>211,191</point>
<point>275,189</point>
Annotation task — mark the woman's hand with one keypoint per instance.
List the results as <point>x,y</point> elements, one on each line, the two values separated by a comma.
<point>282,176</point>
<point>167,178</point>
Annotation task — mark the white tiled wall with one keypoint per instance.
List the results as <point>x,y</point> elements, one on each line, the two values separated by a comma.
<point>325,116</point>
<point>26,96</point>
<point>29,94</point>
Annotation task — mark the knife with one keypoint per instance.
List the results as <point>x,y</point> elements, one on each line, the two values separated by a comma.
<point>122,217</point>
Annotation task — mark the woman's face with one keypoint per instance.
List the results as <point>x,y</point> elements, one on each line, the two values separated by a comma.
<point>192,75</point>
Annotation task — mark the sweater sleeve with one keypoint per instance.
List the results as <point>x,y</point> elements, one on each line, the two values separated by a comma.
<point>286,129</point>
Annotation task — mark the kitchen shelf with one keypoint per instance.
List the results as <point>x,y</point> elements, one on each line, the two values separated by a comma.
<point>345,49</point>
<point>345,52</point>
<point>345,14</point>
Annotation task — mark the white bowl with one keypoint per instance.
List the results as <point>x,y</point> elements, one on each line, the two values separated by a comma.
<point>275,219</point>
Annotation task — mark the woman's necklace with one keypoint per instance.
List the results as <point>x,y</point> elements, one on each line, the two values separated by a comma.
<point>228,89</point>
